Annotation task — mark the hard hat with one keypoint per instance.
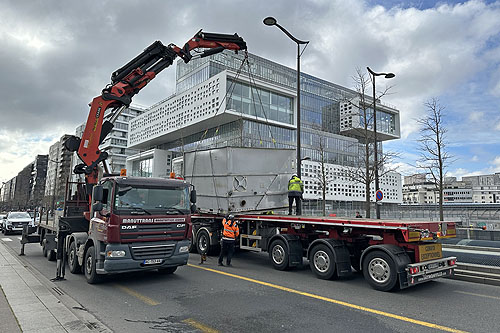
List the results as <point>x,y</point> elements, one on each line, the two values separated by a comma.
<point>230,217</point>
<point>294,175</point>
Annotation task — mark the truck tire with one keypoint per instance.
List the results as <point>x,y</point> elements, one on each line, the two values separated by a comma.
<point>167,270</point>
<point>278,253</point>
<point>74,266</point>
<point>51,255</point>
<point>379,271</point>
<point>89,266</point>
<point>322,262</point>
<point>203,242</point>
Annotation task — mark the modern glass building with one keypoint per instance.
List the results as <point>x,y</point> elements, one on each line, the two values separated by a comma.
<point>223,100</point>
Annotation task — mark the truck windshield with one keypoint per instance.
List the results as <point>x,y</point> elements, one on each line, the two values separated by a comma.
<point>137,200</point>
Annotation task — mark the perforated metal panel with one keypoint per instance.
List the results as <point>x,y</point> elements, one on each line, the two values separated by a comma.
<point>234,179</point>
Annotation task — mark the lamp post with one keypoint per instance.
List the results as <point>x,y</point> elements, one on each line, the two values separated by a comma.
<point>272,21</point>
<point>375,150</point>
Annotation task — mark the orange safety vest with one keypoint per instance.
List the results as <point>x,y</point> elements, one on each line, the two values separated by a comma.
<point>230,229</point>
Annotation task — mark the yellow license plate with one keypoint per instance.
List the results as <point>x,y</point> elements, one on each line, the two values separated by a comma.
<point>430,252</point>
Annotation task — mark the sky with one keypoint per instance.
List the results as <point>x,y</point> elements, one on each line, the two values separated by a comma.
<point>56,56</point>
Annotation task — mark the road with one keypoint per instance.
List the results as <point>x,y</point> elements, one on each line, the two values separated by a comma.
<point>253,297</point>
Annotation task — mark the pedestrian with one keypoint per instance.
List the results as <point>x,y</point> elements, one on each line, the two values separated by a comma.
<point>230,232</point>
<point>358,215</point>
<point>295,190</point>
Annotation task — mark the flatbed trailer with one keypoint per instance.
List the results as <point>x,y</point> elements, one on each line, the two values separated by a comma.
<point>390,254</point>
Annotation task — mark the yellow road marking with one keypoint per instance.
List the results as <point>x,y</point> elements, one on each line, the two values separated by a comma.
<point>137,295</point>
<point>478,295</point>
<point>330,300</point>
<point>199,326</point>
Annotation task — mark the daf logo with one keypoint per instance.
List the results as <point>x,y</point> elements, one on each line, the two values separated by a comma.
<point>128,227</point>
<point>181,225</point>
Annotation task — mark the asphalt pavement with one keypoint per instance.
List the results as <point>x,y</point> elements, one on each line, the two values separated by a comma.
<point>253,297</point>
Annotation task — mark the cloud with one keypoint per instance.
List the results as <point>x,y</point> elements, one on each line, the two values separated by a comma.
<point>59,56</point>
<point>475,116</point>
<point>474,158</point>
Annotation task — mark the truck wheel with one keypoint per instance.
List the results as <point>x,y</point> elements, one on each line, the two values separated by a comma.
<point>90,267</point>
<point>51,255</point>
<point>203,242</point>
<point>74,266</point>
<point>279,255</point>
<point>322,262</point>
<point>380,271</point>
<point>167,270</point>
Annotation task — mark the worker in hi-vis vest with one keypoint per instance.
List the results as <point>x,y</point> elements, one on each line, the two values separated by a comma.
<point>295,190</point>
<point>230,232</point>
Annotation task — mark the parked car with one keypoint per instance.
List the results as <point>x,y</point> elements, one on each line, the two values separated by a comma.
<point>15,221</point>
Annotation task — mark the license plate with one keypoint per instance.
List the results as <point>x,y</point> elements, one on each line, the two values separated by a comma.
<point>431,266</point>
<point>152,261</point>
<point>430,252</point>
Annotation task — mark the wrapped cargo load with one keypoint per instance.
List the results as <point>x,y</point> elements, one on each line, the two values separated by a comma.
<point>239,179</point>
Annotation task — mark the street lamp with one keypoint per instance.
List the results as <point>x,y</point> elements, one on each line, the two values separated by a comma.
<point>272,21</point>
<point>387,76</point>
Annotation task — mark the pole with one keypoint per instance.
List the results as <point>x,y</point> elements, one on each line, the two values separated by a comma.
<point>299,160</point>
<point>375,149</point>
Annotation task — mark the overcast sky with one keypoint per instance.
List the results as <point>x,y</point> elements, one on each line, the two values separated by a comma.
<point>55,56</point>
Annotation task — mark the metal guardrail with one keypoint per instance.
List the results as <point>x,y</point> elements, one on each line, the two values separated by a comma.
<point>485,274</point>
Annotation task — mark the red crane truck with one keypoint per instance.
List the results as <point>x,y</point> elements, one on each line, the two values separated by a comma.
<point>115,224</point>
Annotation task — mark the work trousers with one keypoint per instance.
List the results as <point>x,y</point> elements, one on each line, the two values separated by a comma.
<point>298,207</point>
<point>227,249</point>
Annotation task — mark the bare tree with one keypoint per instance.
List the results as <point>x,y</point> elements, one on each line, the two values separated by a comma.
<point>364,171</point>
<point>322,177</point>
<point>432,145</point>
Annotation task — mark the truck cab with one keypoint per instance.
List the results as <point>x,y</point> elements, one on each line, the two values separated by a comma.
<point>135,224</point>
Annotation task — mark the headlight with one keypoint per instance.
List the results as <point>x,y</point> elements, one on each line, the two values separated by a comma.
<point>183,249</point>
<point>115,254</point>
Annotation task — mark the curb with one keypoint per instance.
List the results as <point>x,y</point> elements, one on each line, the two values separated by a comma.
<point>37,303</point>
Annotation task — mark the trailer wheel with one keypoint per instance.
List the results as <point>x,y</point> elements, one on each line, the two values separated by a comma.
<point>51,255</point>
<point>380,271</point>
<point>167,270</point>
<point>279,255</point>
<point>203,242</point>
<point>322,262</point>
<point>74,266</point>
<point>90,266</point>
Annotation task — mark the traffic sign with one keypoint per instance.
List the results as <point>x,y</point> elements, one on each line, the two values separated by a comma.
<point>379,195</point>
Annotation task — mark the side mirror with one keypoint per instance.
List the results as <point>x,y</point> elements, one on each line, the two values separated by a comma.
<point>193,208</point>
<point>97,207</point>
<point>193,196</point>
<point>97,193</point>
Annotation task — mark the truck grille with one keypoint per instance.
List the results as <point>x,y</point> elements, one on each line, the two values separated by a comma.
<point>156,231</point>
<point>152,251</point>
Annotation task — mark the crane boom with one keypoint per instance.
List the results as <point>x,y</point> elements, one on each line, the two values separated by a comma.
<point>127,81</point>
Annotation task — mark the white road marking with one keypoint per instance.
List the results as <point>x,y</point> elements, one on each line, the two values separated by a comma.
<point>19,238</point>
<point>7,239</point>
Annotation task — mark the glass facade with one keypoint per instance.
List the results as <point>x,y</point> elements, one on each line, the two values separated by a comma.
<point>386,122</point>
<point>143,168</point>
<point>259,102</point>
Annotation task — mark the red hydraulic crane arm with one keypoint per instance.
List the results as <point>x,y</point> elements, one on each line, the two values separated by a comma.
<point>128,81</point>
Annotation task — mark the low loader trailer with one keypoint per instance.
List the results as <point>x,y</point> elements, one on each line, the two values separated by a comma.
<point>390,254</point>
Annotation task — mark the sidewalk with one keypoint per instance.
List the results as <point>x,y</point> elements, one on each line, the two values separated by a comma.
<point>35,308</point>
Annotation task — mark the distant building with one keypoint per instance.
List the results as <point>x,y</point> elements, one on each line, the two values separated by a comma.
<point>58,171</point>
<point>485,188</point>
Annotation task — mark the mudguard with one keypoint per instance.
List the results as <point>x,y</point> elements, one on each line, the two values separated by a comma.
<point>340,253</point>
<point>294,247</point>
